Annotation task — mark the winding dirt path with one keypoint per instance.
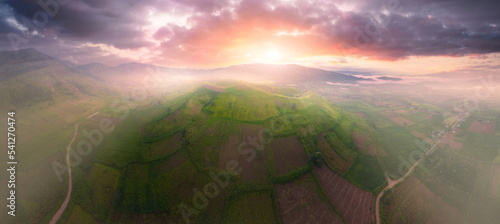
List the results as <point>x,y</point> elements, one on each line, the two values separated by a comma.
<point>392,183</point>
<point>68,195</point>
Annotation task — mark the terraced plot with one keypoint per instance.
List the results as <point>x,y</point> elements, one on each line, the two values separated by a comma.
<point>299,202</point>
<point>354,204</point>
<point>332,158</point>
<point>288,155</point>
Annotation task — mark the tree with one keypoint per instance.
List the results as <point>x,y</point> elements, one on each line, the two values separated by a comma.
<point>316,159</point>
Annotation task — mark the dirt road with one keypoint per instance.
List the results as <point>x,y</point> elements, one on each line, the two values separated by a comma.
<point>392,183</point>
<point>68,195</point>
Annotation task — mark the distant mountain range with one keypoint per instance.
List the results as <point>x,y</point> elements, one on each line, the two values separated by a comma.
<point>29,78</point>
<point>49,78</point>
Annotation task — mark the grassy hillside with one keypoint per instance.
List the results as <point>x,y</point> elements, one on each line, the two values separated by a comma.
<point>165,151</point>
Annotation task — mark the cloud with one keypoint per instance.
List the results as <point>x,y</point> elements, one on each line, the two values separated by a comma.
<point>209,32</point>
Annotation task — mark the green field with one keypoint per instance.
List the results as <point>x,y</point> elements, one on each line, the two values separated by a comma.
<point>123,146</point>
<point>481,146</point>
<point>251,208</point>
<point>164,150</point>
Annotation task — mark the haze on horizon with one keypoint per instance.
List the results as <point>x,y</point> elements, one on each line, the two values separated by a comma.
<point>395,37</point>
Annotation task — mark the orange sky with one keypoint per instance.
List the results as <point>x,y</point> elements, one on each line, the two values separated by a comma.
<point>404,37</point>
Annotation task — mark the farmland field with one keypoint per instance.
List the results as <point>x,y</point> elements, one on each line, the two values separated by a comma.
<point>331,157</point>
<point>408,203</point>
<point>252,208</point>
<point>300,202</point>
<point>295,156</point>
<point>354,204</point>
<point>288,155</point>
<point>485,128</point>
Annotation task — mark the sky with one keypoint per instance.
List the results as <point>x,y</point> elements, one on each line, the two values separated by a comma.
<point>408,37</point>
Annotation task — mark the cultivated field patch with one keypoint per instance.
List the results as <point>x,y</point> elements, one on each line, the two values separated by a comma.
<point>104,181</point>
<point>398,119</point>
<point>495,181</point>
<point>331,157</point>
<point>242,107</point>
<point>485,128</point>
<point>354,204</point>
<point>481,207</point>
<point>448,139</point>
<point>165,147</point>
<point>366,144</point>
<point>409,201</point>
<point>170,163</point>
<point>253,170</point>
<point>122,146</point>
<point>423,137</point>
<point>256,207</point>
<point>340,146</point>
<point>299,202</point>
<point>288,155</point>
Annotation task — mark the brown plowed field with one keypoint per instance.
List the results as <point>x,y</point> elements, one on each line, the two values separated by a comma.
<point>488,128</point>
<point>298,202</point>
<point>288,155</point>
<point>354,204</point>
<point>449,139</point>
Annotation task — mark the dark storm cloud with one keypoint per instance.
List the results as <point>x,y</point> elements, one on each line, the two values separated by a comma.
<point>116,23</point>
<point>380,29</point>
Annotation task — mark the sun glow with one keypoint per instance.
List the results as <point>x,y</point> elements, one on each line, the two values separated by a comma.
<point>273,54</point>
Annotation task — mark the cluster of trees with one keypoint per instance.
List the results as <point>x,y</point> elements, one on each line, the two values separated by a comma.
<point>316,159</point>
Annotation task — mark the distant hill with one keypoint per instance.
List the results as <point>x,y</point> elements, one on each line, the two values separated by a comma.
<point>94,69</point>
<point>131,74</point>
<point>387,78</point>
<point>29,77</point>
<point>13,63</point>
<point>284,73</point>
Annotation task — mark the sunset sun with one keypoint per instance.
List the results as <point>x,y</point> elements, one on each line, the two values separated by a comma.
<point>273,54</point>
